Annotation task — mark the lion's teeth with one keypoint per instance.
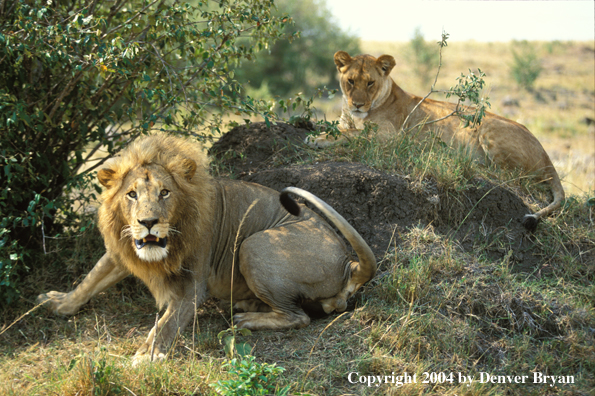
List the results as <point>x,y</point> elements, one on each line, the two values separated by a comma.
<point>156,239</point>
<point>144,240</point>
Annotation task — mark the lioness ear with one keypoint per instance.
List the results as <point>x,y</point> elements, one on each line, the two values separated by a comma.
<point>106,177</point>
<point>342,59</point>
<point>386,63</point>
<point>188,168</point>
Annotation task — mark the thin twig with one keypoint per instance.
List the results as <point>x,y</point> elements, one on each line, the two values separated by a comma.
<point>433,121</point>
<point>22,316</point>
<point>155,335</point>
<point>432,90</point>
<point>43,237</point>
<point>315,342</point>
<point>233,260</point>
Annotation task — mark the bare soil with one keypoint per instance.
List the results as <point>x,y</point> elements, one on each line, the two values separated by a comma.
<point>379,205</point>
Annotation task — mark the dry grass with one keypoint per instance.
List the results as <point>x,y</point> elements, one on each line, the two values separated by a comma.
<point>434,307</point>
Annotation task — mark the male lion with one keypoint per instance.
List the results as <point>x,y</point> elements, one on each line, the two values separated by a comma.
<point>371,95</point>
<point>183,233</point>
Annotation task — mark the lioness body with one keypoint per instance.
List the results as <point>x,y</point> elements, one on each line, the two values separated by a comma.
<point>183,234</point>
<point>371,95</point>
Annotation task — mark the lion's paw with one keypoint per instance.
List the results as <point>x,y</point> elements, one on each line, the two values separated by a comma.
<point>318,141</point>
<point>244,320</point>
<point>59,303</point>
<point>143,356</point>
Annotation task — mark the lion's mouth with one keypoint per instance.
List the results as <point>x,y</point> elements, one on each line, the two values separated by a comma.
<point>150,240</point>
<point>359,113</point>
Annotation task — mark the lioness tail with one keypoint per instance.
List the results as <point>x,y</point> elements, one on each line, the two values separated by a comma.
<point>530,221</point>
<point>366,268</point>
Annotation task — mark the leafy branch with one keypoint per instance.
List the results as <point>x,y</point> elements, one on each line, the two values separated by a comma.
<point>468,88</point>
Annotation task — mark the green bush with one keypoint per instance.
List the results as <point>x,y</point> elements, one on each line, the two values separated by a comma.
<point>526,66</point>
<point>80,78</point>
<point>250,378</point>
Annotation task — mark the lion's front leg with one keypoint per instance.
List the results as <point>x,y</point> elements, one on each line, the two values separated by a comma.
<point>176,317</point>
<point>105,274</point>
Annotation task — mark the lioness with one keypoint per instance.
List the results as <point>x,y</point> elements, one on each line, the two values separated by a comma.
<point>371,95</point>
<point>166,221</point>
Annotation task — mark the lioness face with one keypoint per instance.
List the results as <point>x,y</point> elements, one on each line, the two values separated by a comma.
<point>364,80</point>
<point>147,204</point>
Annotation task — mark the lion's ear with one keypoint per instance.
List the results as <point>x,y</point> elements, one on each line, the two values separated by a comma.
<point>342,59</point>
<point>188,168</point>
<point>106,177</point>
<point>386,63</point>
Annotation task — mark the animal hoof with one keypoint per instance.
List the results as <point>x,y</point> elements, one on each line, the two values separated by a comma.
<point>530,222</point>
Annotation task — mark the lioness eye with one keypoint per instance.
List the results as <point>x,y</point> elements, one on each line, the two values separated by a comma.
<point>132,194</point>
<point>370,84</point>
<point>350,81</point>
<point>164,193</point>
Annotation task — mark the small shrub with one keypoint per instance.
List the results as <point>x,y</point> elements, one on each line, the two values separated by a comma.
<point>251,378</point>
<point>526,66</point>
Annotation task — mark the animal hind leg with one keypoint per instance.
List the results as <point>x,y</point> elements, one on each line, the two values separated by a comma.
<point>253,305</point>
<point>274,320</point>
<point>288,265</point>
<point>279,296</point>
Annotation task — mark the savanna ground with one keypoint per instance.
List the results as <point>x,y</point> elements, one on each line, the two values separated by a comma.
<point>461,287</point>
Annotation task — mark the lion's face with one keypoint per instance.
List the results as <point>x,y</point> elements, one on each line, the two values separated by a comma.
<point>147,199</point>
<point>147,204</point>
<point>364,80</point>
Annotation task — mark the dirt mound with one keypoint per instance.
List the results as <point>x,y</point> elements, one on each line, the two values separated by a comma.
<point>248,148</point>
<point>380,206</point>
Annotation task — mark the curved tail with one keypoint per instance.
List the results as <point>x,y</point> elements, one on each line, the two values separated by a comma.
<point>360,272</point>
<point>530,221</point>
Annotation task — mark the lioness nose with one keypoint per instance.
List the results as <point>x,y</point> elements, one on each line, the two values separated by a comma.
<point>357,104</point>
<point>148,222</point>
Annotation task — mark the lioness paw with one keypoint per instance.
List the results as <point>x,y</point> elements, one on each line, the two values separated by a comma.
<point>58,302</point>
<point>143,355</point>
<point>138,360</point>
<point>318,141</point>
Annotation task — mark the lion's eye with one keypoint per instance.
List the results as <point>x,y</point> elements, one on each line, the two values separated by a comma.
<point>164,193</point>
<point>132,194</point>
<point>350,81</point>
<point>370,84</point>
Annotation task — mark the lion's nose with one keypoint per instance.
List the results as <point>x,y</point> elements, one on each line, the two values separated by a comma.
<point>357,104</point>
<point>149,222</point>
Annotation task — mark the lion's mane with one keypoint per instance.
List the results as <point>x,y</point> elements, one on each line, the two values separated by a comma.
<point>190,217</point>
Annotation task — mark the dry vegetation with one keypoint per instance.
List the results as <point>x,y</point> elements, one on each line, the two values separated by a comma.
<point>434,307</point>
